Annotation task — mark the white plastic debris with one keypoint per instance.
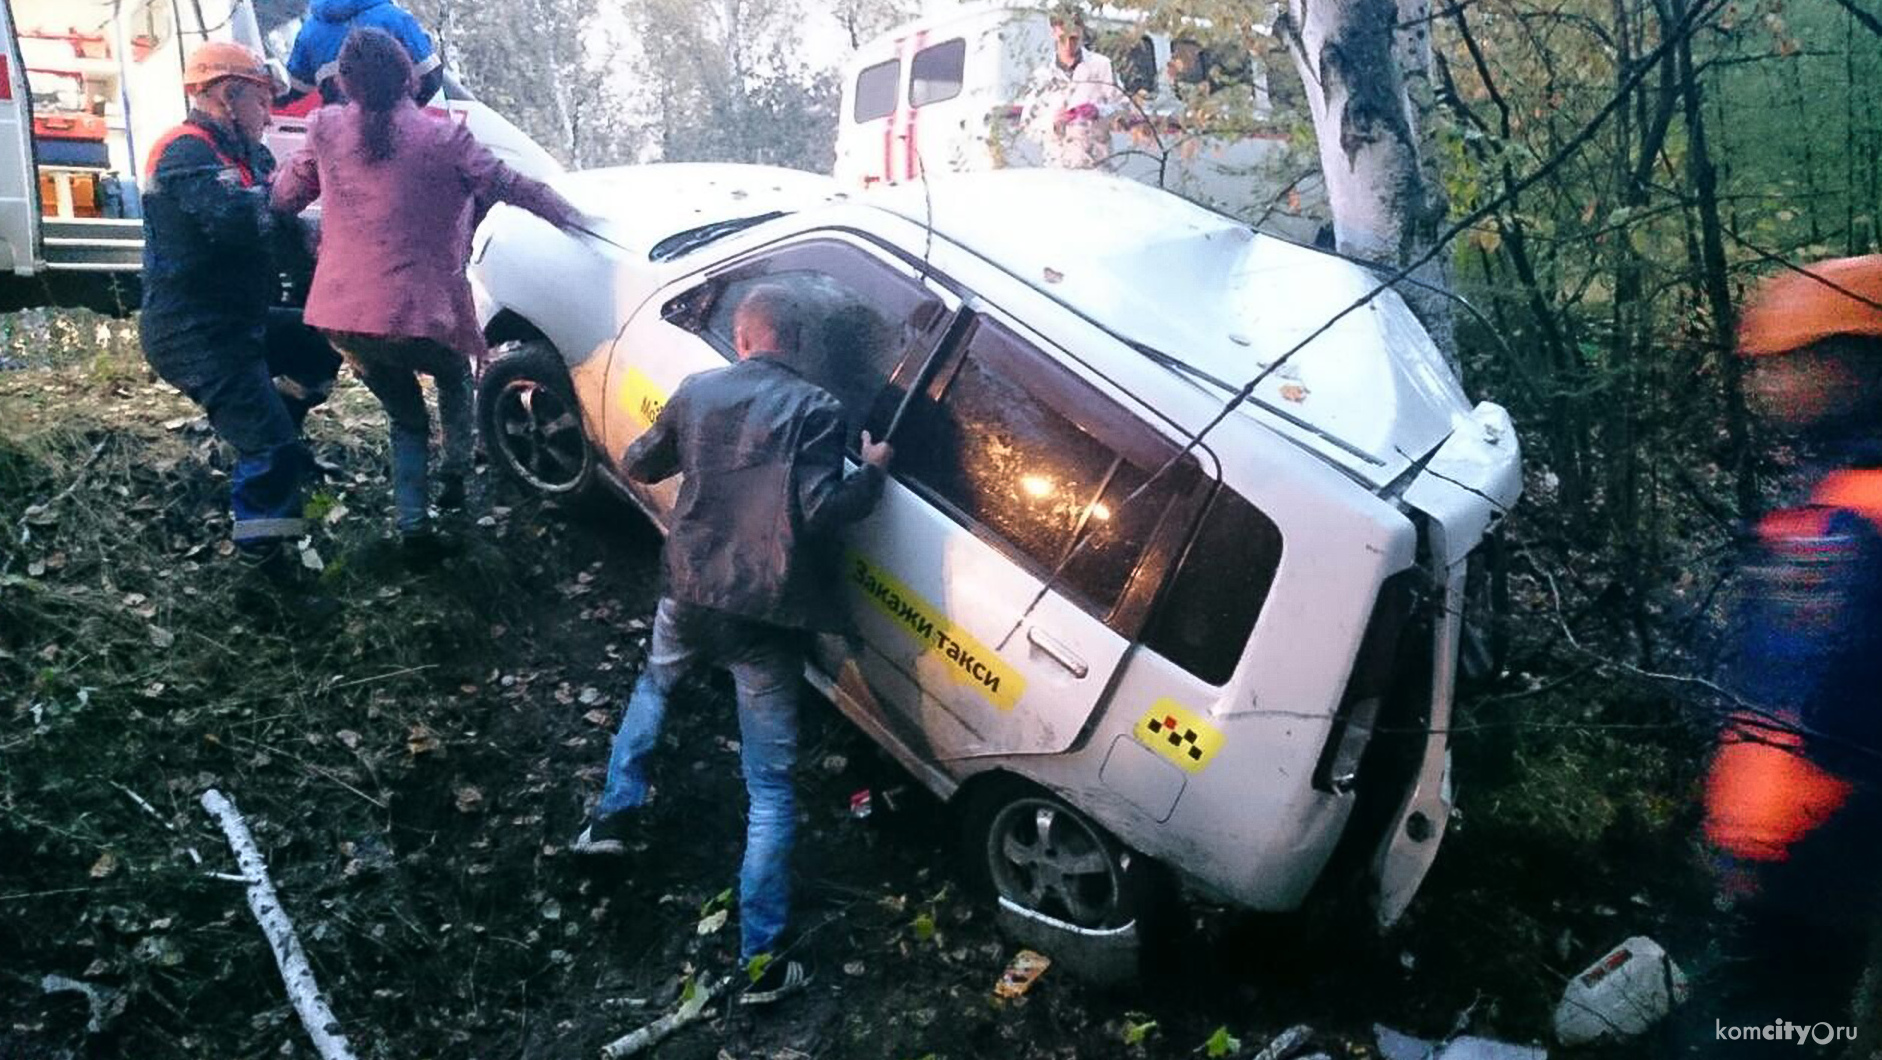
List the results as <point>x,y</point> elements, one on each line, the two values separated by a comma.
<point>1628,990</point>
<point>1394,1045</point>
<point>106,1003</point>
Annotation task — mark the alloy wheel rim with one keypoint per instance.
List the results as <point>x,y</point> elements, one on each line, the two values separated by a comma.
<point>1050,860</point>
<point>540,436</point>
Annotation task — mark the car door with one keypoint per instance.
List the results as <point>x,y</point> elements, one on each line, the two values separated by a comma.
<point>1018,548</point>
<point>866,140</point>
<point>873,321</point>
<point>1007,570</point>
<point>19,193</point>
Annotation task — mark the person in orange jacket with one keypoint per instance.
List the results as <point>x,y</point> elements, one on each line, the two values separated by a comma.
<point>1794,790</point>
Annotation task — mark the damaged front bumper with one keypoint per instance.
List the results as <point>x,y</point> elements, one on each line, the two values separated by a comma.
<point>1461,494</point>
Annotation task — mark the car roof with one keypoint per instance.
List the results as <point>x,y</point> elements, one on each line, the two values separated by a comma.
<point>1208,291</point>
<point>1197,287</point>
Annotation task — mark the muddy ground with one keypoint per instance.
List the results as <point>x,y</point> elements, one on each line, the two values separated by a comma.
<point>414,770</point>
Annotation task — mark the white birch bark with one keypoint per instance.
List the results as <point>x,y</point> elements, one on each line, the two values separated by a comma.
<point>303,991</point>
<point>1366,68</point>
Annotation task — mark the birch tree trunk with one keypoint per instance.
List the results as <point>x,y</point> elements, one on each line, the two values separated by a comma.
<point>1366,66</point>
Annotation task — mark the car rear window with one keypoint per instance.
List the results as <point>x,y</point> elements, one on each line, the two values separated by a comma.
<point>875,91</point>
<point>1043,461</point>
<point>936,72</point>
<point>1211,604</point>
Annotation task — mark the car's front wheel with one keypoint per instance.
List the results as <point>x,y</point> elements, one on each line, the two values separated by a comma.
<point>531,424</point>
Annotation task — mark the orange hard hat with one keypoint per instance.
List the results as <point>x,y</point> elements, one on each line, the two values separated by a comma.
<point>217,59</point>
<point>1791,310</point>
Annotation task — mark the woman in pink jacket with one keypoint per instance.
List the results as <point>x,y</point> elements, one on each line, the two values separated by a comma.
<point>398,187</point>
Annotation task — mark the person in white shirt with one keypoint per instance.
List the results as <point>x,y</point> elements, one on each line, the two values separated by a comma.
<point>1073,99</point>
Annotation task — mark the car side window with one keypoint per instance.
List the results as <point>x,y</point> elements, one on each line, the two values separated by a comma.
<point>1210,606</point>
<point>875,91</point>
<point>935,73</point>
<point>862,318</point>
<point>1016,443</point>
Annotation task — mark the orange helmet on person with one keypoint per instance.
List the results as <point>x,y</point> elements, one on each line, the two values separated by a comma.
<point>1792,310</point>
<point>219,59</point>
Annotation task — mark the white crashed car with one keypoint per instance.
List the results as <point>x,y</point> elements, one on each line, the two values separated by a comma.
<point>1240,669</point>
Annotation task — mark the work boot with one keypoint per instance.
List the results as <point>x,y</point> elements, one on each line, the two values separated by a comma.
<point>276,588</point>
<point>427,546</point>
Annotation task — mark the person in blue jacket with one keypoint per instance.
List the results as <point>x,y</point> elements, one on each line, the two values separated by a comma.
<point>315,61</point>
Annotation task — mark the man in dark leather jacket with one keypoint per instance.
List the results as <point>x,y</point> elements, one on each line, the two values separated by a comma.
<point>751,570</point>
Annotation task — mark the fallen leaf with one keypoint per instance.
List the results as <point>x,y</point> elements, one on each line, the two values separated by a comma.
<point>106,864</point>
<point>597,717</point>
<point>349,738</point>
<point>470,799</point>
<point>161,637</point>
<point>1294,392</point>
<point>713,923</point>
<point>420,740</point>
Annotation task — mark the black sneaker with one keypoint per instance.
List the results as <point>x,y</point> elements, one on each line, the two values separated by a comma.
<point>604,837</point>
<point>451,492</point>
<point>781,978</point>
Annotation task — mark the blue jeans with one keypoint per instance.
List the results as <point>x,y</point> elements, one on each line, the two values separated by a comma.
<point>766,666</point>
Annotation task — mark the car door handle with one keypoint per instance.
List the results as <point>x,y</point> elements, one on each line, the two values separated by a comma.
<point>1056,648</point>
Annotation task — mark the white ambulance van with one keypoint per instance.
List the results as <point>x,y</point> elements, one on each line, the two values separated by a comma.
<point>86,86</point>
<point>948,92</point>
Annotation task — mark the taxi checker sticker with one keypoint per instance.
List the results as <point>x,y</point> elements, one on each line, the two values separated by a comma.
<point>1179,735</point>
<point>967,660</point>
<point>642,397</point>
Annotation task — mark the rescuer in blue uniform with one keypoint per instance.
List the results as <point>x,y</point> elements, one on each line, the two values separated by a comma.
<point>211,277</point>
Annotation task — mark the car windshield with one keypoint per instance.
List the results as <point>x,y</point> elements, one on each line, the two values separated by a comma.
<point>693,238</point>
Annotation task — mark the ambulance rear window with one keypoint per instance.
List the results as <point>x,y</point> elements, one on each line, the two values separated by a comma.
<point>936,72</point>
<point>875,91</point>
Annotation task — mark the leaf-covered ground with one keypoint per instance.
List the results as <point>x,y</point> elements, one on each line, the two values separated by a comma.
<point>414,769</point>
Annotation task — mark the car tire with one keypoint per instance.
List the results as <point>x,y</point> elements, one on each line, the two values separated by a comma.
<point>531,423</point>
<point>1032,848</point>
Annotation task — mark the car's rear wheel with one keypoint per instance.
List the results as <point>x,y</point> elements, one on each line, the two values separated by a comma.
<point>531,423</point>
<point>1038,852</point>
